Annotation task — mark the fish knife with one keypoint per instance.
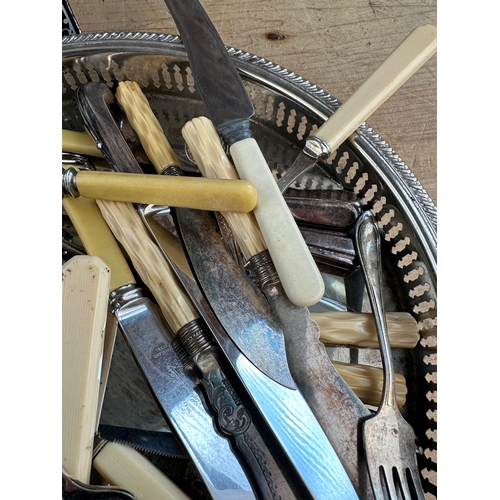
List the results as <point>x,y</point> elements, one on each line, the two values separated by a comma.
<point>408,57</point>
<point>150,341</point>
<point>230,108</point>
<point>282,407</point>
<point>336,407</point>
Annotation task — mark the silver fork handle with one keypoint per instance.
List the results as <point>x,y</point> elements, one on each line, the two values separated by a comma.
<point>368,248</point>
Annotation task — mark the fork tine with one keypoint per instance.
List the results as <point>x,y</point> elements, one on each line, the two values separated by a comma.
<point>391,484</point>
<point>413,483</point>
<point>376,481</point>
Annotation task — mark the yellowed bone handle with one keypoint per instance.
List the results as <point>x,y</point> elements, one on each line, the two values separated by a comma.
<point>349,328</point>
<point>126,468</point>
<point>415,50</point>
<point>97,238</point>
<point>188,192</point>
<point>204,143</point>
<point>147,127</point>
<point>367,382</point>
<point>85,293</point>
<point>147,259</point>
<point>80,143</point>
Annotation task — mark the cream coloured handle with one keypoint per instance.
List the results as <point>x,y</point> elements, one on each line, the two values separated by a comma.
<point>85,293</point>
<point>367,381</point>
<point>415,50</point>
<point>149,262</point>
<point>188,192</point>
<point>146,125</point>
<point>350,328</point>
<point>126,468</point>
<point>205,146</point>
<point>293,261</point>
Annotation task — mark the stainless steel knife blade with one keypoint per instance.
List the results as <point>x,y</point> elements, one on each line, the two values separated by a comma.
<point>284,409</point>
<point>415,50</point>
<point>222,90</point>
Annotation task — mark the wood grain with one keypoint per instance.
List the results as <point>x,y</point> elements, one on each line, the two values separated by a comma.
<point>336,45</point>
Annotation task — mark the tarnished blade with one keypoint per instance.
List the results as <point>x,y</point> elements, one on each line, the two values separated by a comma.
<point>228,102</point>
<point>175,391</point>
<point>253,328</point>
<point>284,409</point>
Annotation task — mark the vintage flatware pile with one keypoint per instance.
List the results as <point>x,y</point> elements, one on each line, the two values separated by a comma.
<point>205,290</point>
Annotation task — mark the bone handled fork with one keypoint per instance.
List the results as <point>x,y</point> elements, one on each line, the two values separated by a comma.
<point>389,441</point>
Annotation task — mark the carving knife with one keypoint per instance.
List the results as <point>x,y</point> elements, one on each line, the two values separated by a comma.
<point>282,406</point>
<point>150,340</point>
<point>336,407</point>
<point>230,108</point>
<point>409,56</point>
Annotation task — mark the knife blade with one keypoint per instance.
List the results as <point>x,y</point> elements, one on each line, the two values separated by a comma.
<point>408,57</point>
<point>283,408</point>
<point>334,404</point>
<point>172,385</point>
<point>230,108</point>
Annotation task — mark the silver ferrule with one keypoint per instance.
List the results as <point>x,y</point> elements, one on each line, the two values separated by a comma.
<point>121,296</point>
<point>317,148</point>
<point>69,187</point>
<point>196,338</point>
<point>262,267</point>
<point>172,170</point>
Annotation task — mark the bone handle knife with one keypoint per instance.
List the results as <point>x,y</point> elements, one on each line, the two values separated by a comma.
<point>85,292</point>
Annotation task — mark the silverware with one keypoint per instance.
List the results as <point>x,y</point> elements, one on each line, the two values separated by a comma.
<point>150,339</point>
<point>335,406</point>
<point>230,107</point>
<point>389,441</point>
<point>405,60</point>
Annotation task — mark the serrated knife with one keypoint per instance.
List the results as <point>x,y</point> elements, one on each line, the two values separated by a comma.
<point>230,108</point>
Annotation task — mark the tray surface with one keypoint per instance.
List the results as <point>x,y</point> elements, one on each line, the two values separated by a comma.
<point>289,108</point>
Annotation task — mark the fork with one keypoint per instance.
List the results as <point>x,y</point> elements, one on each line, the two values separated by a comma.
<point>389,441</point>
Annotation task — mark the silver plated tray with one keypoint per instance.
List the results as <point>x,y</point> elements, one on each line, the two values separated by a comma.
<point>287,109</point>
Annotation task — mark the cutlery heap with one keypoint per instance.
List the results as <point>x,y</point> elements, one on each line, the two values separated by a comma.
<point>210,277</point>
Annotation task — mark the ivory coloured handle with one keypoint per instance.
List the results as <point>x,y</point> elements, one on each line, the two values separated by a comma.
<point>149,262</point>
<point>415,50</point>
<point>146,125</point>
<point>79,142</point>
<point>349,328</point>
<point>85,292</point>
<point>126,468</point>
<point>205,146</point>
<point>367,381</point>
<point>292,259</point>
<point>98,239</point>
<point>188,192</point>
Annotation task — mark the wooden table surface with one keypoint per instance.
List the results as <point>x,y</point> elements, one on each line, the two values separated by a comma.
<point>335,45</point>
